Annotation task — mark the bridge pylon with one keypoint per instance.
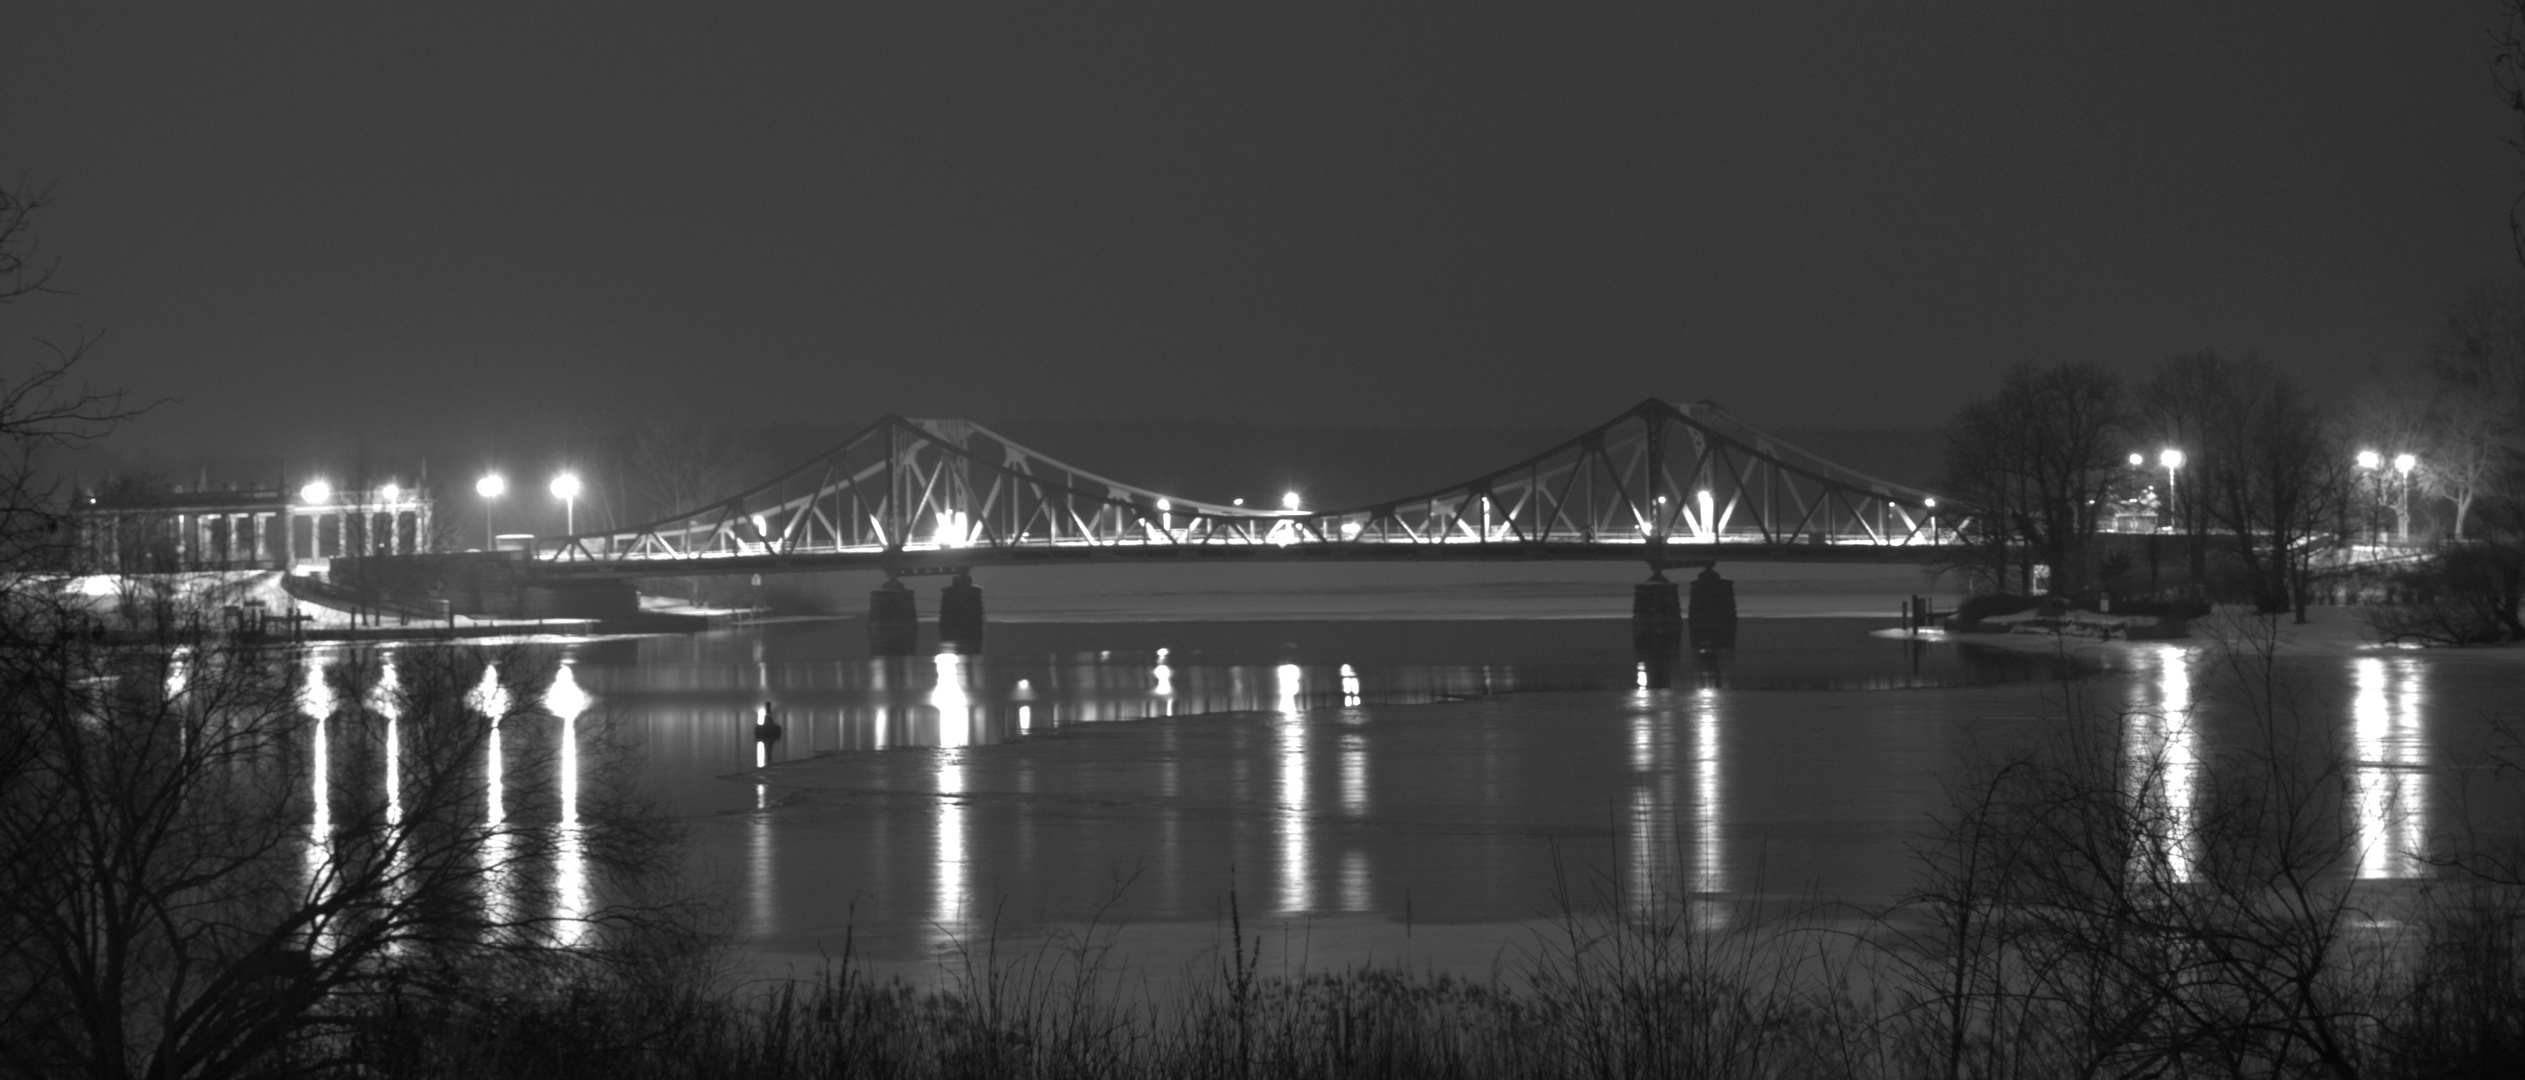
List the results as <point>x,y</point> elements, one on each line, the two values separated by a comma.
<point>1712,616</point>
<point>894,620</point>
<point>1656,614</point>
<point>960,620</point>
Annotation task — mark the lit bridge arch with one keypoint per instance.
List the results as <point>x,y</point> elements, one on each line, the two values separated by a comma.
<point>1666,484</point>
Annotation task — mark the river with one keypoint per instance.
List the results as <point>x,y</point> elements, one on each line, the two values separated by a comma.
<point>1421,788</point>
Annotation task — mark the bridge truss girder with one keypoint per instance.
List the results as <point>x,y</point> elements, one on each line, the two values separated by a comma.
<point>1653,483</point>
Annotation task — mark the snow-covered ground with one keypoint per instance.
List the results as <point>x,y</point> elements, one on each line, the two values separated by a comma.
<point>2328,631</point>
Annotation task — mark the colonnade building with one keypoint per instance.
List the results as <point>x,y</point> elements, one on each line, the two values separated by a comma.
<point>246,527</point>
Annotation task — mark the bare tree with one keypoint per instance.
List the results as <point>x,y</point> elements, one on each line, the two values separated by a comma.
<point>2107,906</point>
<point>2039,463</point>
<point>2267,475</point>
<point>2462,460</point>
<point>687,466</point>
<point>2507,68</point>
<point>2478,369</point>
<point>43,406</point>
<point>215,857</point>
<point>2398,410</point>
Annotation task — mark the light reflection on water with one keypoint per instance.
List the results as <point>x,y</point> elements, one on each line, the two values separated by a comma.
<point>1651,811</point>
<point>1310,788</point>
<point>315,699</point>
<point>954,711</point>
<point>1708,812</point>
<point>566,701</point>
<point>357,744</point>
<point>874,704</point>
<point>386,701</point>
<point>2163,758</point>
<point>1676,851</point>
<point>1304,780</point>
<point>2388,776</point>
<point>490,700</point>
<point>1296,890</point>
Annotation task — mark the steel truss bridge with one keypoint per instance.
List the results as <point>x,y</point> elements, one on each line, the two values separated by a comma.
<point>1666,484</point>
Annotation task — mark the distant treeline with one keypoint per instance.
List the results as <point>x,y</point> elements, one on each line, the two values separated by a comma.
<point>2274,487</point>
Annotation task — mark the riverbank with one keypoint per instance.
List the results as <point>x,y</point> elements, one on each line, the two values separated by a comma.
<point>123,609</point>
<point>2328,631</point>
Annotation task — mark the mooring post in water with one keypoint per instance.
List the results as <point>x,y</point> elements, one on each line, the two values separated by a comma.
<point>1713,615</point>
<point>894,620</point>
<point>1656,612</point>
<point>960,615</point>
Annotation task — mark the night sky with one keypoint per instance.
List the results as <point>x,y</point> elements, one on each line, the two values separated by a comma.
<point>322,221</point>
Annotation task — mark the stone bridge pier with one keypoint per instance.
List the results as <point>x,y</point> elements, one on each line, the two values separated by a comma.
<point>1661,621</point>
<point>894,616</point>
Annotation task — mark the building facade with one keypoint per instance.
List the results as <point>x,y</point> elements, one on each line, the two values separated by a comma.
<point>246,528</point>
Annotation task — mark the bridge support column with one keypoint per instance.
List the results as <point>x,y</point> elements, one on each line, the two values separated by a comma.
<point>1656,614</point>
<point>894,620</point>
<point>1713,616</point>
<point>960,615</point>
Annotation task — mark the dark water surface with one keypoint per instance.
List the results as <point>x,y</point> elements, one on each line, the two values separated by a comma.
<point>695,701</point>
<point>1385,775</point>
<point>1368,784</point>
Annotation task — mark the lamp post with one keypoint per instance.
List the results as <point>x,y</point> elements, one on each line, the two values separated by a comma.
<point>317,495</point>
<point>2402,466</point>
<point>490,487</point>
<point>2370,462</point>
<point>2195,563</point>
<point>2172,459</point>
<point>2121,507</point>
<point>565,487</point>
<point>389,498</point>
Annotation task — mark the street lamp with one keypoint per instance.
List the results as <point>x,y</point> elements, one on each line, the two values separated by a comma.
<point>490,487</point>
<point>2172,459</point>
<point>379,517</point>
<point>565,487</point>
<point>2121,506</point>
<point>316,493</point>
<point>2369,462</point>
<point>2402,465</point>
